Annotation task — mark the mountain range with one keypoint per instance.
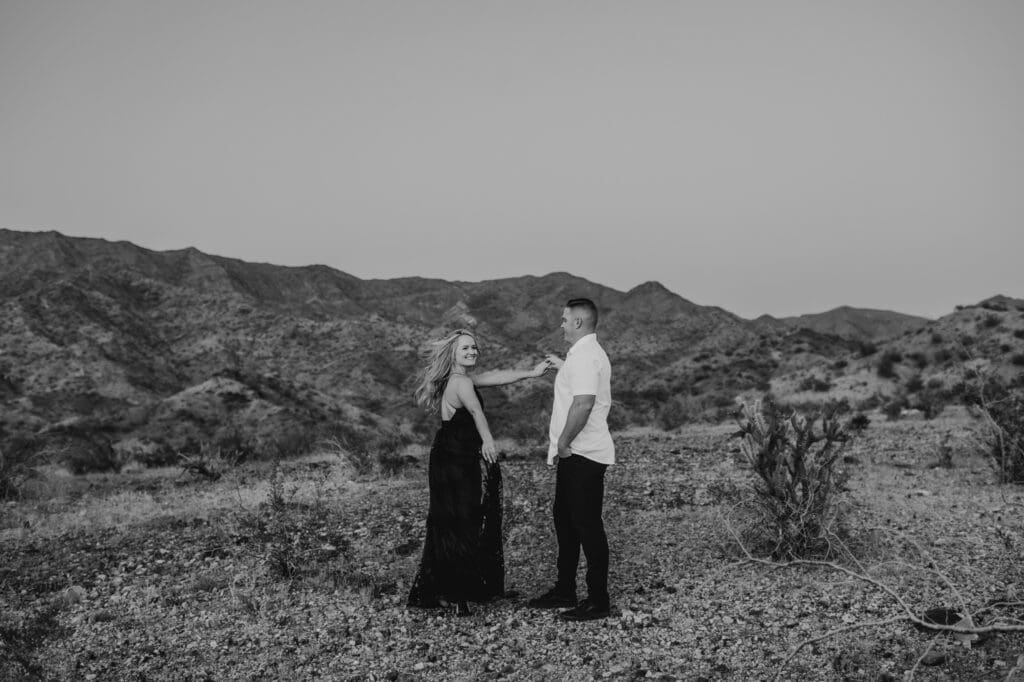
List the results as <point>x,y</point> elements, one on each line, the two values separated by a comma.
<point>110,342</point>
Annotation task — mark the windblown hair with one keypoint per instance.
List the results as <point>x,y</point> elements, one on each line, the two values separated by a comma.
<point>586,306</point>
<point>440,358</point>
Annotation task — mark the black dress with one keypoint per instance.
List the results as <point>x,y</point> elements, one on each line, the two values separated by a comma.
<point>462,554</point>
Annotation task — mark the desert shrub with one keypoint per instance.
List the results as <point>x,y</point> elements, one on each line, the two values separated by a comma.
<point>656,391</point>
<point>942,356</point>
<point>210,462</point>
<point>84,453</point>
<point>839,364</point>
<point>931,401</point>
<point>840,406</point>
<point>936,383</point>
<point>944,453</point>
<point>283,531</point>
<point>22,637</point>
<point>291,537</point>
<point>1018,359</point>
<point>919,358</point>
<point>990,322</point>
<point>796,492</point>
<point>813,383</point>
<point>894,408</point>
<point>915,384</point>
<point>372,452</point>
<point>18,459</point>
<point>1001,407</point>
<point>859,422</point>
<point>1004,440</point>
<point>153,454</point>
<point>672,414</point>
<point>966,340</point>
<point>388,455</point>
<point>236,445</point>
<point>867,348</point>
<point>1019,333</point>
<point>887,363</point>
<point>936,337</point>
<point>873,401</point>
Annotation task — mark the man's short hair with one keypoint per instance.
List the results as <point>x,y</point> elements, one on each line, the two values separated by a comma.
<point>585,307</point>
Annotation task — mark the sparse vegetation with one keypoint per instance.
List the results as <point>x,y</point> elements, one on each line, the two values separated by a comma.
<point>325,571</point>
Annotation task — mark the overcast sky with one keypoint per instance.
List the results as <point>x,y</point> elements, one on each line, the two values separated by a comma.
<point>765,157</point>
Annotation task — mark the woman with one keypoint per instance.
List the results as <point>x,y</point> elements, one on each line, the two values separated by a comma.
<point>462,555</point>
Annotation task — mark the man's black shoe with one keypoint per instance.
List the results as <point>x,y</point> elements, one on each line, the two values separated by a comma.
<point>552,600</point>
<point>587,610</point>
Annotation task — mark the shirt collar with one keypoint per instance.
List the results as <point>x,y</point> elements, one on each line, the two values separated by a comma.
<point>582,341</point>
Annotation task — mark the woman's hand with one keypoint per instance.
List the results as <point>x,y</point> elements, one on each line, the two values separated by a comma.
<point>487,450</point>
<point>542,367</point>
<point>554,362</point>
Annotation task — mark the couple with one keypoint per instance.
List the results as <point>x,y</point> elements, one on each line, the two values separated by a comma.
<point>462,555</point>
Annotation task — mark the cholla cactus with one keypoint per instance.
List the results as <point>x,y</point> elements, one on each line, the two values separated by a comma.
<point>797,478</point>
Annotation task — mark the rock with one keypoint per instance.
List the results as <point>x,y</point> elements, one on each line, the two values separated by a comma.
<point>73,594</point>
<point>933,658</point>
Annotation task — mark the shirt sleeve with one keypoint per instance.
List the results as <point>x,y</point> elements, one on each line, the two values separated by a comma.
<point>584,376</point>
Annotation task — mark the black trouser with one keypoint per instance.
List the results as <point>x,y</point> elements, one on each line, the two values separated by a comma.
<point>579,494</point>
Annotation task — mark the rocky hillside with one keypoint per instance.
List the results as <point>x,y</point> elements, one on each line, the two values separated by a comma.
<point>859,324</point>
<point>112,343</point>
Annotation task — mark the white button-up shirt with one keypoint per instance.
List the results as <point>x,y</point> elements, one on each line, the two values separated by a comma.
<point>586,371</point>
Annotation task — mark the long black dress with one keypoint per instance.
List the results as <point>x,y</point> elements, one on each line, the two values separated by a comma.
<point>462,554</point>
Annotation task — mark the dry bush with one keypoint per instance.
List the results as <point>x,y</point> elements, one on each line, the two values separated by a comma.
<point>21,635</point>
<point>1004,440</point>
<point>293,538</point>
<point>210,462</point>
<point>370,453</point>
<point>1000,406</point>
<point>83,452</point>
<point>796,495</point>
<point>17,467</point>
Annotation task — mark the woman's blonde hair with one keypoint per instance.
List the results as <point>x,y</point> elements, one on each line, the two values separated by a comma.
<point>440,358</point>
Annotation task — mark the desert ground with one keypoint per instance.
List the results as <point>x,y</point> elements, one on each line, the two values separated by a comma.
<point>301,572</point>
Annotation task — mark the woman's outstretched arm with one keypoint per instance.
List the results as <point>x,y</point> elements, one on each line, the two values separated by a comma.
<point>501,377</point>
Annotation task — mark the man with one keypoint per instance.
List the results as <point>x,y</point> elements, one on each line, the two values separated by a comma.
<point>582,445</point>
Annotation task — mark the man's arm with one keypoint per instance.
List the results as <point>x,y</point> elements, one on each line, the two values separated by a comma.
<point>579,412</point>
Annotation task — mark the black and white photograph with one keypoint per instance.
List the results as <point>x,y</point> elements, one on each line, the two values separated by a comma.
<point>550,340</point>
